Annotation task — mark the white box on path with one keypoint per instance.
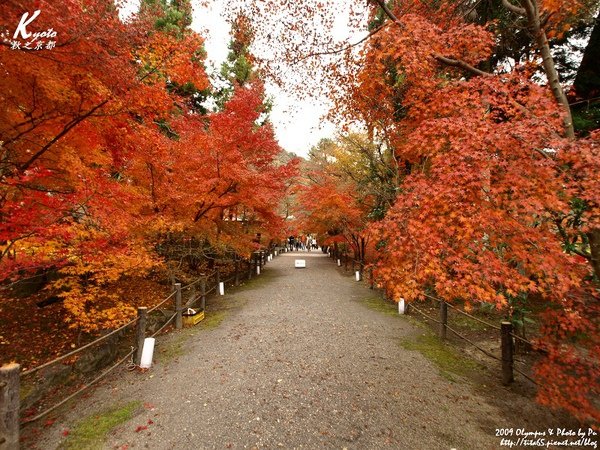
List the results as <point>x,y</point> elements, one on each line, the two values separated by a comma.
<point>300,263</point>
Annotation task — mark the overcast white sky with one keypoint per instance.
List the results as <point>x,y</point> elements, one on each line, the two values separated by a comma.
<point>298,123</point>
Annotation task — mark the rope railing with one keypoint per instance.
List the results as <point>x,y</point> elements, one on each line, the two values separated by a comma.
<point>478,347</point>
<point>460,311</point>
<point>464,313</point>
<point>74,352</point>
<point>79,391</point>
<point>169,320</point>
<point>229,279</point>
<point>507,364</point>
<point>101,338</point>
<point>193,283</point>
<point>130,354</point>
<point>95,380</point>
<point>155,307</point>
<point>473,344</point>
<point>524,375</point>
<point>423,314</point>
<point>522,339</point>
<point>208,291</point>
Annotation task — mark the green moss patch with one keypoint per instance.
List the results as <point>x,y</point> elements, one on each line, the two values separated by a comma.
<point>212,320</point>
<point>266,276</point>
<point>90,433</point>
<point>378,304</point>
<point>449,362</point>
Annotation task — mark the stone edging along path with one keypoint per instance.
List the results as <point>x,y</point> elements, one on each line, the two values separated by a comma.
<point>296,359</point>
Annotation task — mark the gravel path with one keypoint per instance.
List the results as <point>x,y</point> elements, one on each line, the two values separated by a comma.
<point>300,362</point>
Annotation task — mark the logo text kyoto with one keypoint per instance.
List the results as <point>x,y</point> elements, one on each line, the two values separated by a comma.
<point>23,39</point>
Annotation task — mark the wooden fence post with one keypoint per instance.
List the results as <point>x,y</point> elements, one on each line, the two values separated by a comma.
<point>203,293</point>
<point>178,307</point>
<point>507,353</point>
<point>9,406</point>
<point>443,319</point>
<point>140,333</point>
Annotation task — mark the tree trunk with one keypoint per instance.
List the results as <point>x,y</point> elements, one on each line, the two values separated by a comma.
<point>594,240</point>
<point>533,17</point>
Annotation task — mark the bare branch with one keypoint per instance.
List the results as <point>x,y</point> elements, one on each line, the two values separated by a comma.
<point>514,8</point>
<point>448,61</point>
<point>533,17</point>
<point>64,131</point>
<point>461,64</point>
<point>348,47</point>
<point>388,12</point>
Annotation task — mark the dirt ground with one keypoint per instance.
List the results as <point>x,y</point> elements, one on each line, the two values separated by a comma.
<point>305,358</point>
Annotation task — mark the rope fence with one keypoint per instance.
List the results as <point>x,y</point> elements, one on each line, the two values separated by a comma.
<point>456,333</point>
<point>519,338</point>
<point>79,391</point>
<point>195,282</point>
<point>524,375</point>
<point>507,335</point>
<point>423,314</point>
<point>507,344</point>
<point>155,307</point>
<point>96,341</point>
<point>464,313</point>
<point>212,289</point>
<point>13,373</point>
<point>80,349</point>
<point>485,352</point>
<point>491,325</point>
<point>169,320</point>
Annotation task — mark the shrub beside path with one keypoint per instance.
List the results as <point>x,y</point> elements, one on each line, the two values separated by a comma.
<point>299,361</point>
